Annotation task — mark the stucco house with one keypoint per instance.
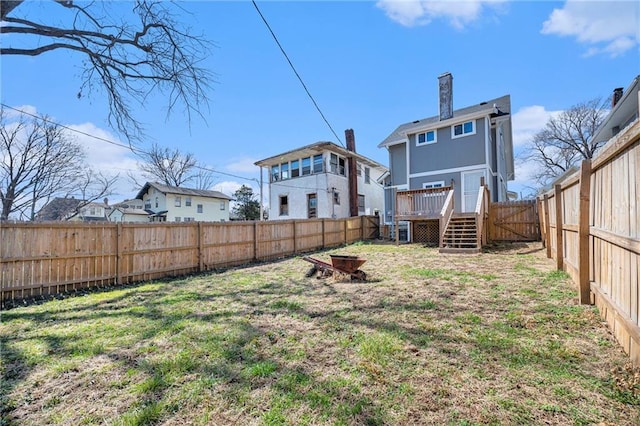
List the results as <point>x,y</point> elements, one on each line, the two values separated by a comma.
<point>452,150</point>
<point>317,181</point>
<point>175,204</point>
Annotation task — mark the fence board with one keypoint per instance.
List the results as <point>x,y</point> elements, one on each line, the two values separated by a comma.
<point>48,258</point>
<point>613,233</point>
<point>514,221</point>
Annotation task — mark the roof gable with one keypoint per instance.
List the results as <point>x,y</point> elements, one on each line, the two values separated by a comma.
<point>167,189</point>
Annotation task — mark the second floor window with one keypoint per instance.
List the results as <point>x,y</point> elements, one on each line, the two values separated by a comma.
<point>317,164</point>
<point>222,205</point>
<point>284,171</point>
<point>199,207</point>
<point>295,168</point>
<point>306,166</point>
<point>426,137</point>
<point>275,173</point>
<point>466,128</point>
<point>367,175</point>
<point>187,202</point>
<point>178,202</point>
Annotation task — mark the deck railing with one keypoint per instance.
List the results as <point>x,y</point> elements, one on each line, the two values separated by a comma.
<point>482,213</point>
<point>420,204</point>
<point>445,215</point>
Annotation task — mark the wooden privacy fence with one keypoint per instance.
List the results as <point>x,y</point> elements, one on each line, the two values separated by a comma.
<point>591,227</point>
<point>514,221</point>
<point>54,257</point>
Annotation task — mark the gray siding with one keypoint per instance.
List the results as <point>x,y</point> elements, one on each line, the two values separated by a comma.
<point>398,164</point>
<point>447,153</point>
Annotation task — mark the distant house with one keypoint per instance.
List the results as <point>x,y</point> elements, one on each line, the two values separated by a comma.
<point>175,204</point>
<point>72,209</point>
<point>129,211</point>
<point>625,105</point>
<point>455,150</point>
<point>314,182</point>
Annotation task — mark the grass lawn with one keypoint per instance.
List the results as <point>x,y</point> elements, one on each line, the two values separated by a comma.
<point>430,339</point>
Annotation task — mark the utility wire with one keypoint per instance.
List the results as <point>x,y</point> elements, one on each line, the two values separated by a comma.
<point>296,73</point>
<point>134,150</point>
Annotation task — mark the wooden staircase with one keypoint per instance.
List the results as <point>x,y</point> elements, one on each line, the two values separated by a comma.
<point>461,235</point>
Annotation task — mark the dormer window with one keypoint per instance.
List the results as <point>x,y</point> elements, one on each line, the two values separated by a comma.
<point>463,129</point>
<point>426,138</point>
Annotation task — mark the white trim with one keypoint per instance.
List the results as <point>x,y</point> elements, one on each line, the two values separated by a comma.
<point>434,184</point>
<point>487,142</point>
<point>398,142</point>
<point>435,137</point>
<point>462,123</point>
<point>407,149</point>
<point>453,170</point>
<point>446,123</point>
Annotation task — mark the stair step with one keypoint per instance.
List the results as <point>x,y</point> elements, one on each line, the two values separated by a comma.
<point>459,250</point>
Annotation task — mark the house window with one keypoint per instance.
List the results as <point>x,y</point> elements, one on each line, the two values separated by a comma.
<point>177,218</point>
<point>359,169</point>
<point>222,205</point>
<point>429,185</point>
<point>147,205</point>
<point>284,205</point>
<point>199,208</point>
<point>306,166</point>
<point>187,202</point>
<point>178,202</point>
<point>295,168</point>
<point>275,173</point>
<point>317,163</point>
<point>312,206</point>
<point>367,175</point>
<point>284,171</point>
<point>336,165</point>
<point>466,128</point>
<point>189,219</point>
<point>92,211</point>
<point>361,203</point>
<point>336,197</point>
<point>426,138</point>
<point>156,202</point>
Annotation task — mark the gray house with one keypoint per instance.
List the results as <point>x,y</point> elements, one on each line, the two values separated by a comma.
<point>454,150</point>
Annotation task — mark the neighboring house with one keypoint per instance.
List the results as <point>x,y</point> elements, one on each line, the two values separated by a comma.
<point>314,182</point>
<point>455,150</point>
<point>129,211</point>
<point>458,146</point>
<point>174,204</point>
<point>72,209</point>
<point>625,105</point>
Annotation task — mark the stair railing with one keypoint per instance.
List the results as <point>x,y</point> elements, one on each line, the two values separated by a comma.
<point>482,212</point>
<point>445,215</point>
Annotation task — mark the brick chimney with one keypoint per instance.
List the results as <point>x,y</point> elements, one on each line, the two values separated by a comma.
<point>353,173</point>
<point>617,95</point>
<point>445,91</point>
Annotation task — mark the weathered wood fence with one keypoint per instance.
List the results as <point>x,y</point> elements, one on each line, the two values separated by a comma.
<point>54,257</point>
<point>591,227</point>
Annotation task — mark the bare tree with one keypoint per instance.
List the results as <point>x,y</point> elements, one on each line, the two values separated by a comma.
<point>38,161</point>
<point>566,140</point>
<point>173,167</point>
<point>129,57</point>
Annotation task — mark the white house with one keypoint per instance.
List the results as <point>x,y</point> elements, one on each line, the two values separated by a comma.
<point>314,181</point>
<point>174,204</point>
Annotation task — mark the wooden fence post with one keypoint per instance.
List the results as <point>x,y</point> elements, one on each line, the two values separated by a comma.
<point>583,233</point>
<point>255,240</point>
<point>200,248</point>
<point>119,253</point>
<point>559,243</point>
<point>324,242</point>
<point>344,229</point>
<point>361,228</point>
<point>294,237</point>
<point>547,226</point>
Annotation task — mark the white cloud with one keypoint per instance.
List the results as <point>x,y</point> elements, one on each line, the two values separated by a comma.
<point>411,13</point>
<point>528,121</point>
<point>227,187</point>
<point>610,27</point>
<point>12,114</point>
<point>243,165</point>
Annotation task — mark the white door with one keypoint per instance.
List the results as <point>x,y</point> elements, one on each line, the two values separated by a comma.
<point>470,187</point>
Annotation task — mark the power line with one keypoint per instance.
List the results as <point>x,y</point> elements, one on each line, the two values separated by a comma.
<point>131,148</point>
<point>296,73</point>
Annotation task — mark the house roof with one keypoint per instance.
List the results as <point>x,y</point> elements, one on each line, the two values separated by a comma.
<point>626,108</point>
<point>166,189</point>
<point>58,209</point>
<point>129,210</point>
<point>314,149</point>
<point>502,104</point>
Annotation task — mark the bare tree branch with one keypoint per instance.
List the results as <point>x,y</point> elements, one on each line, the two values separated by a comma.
<point>173,168</point>
<point>566,140</point>
<point>129,58</point>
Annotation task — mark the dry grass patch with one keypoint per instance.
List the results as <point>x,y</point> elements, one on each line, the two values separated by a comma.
<point>430,339</point>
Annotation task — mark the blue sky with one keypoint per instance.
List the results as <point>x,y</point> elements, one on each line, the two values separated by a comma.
<point>370,66</point>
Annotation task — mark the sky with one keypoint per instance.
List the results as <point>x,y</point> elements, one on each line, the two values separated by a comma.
<point>369,65</point>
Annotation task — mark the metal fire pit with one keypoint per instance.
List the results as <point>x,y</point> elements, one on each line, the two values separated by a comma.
<point>344,264</point>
